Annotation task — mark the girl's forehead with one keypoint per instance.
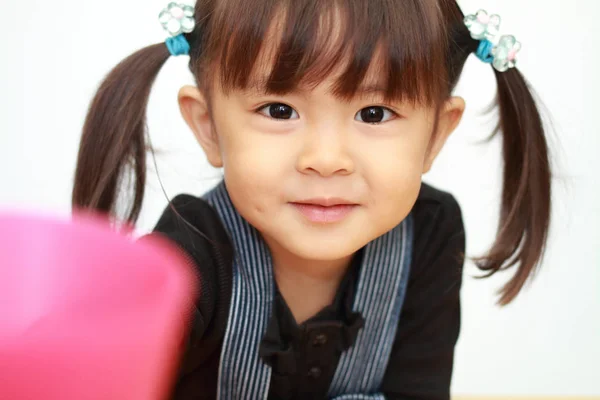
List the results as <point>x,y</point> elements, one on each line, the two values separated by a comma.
<point>350,44</point>
<point>332,58</point>
<point>325,70</point>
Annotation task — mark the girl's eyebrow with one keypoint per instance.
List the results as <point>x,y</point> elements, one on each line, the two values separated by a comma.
<point>258,86</point>
<point>371,88</point>
<point>258,83</point>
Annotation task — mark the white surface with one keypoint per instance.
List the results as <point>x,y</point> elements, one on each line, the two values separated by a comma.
<point>55,53</point>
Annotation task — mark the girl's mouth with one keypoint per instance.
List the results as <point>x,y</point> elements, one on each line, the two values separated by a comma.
<point>316,211</point>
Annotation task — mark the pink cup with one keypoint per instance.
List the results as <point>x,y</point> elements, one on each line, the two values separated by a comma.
<point>88,314</point>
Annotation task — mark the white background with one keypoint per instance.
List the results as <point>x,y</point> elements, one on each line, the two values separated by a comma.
<point>54,53</point>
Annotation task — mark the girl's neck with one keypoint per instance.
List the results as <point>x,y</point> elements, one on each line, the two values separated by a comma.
<point>307,285</point>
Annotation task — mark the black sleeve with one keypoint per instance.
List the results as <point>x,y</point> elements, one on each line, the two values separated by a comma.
<point>195,228</point>
<point>421,362</point>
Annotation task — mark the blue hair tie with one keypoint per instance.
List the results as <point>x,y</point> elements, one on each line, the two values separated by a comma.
<point>178,45</point>
<point>484,51</point>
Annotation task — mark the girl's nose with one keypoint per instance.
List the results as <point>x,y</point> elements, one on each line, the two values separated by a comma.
<point>326,152</point>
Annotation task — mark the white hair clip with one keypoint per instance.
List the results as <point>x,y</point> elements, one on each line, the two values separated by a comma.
<point>177,19</point>
<point>500,51</point>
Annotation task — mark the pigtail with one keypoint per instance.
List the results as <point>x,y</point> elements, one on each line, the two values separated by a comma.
<point>114,135</point>
<point>525,206</point>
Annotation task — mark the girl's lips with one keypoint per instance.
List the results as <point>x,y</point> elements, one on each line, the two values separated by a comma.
<point>324,214</point>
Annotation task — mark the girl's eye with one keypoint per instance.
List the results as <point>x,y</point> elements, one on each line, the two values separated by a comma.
<point>278,111</point>
<point>374,115</point>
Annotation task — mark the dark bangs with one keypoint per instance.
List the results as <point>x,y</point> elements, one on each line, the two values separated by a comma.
<point>280,45</point>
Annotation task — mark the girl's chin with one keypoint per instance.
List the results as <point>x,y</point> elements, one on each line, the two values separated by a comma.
<point>323,252</point>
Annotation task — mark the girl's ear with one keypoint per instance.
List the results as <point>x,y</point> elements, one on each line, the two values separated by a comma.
<point>449,118</point>
<point>195,110</point>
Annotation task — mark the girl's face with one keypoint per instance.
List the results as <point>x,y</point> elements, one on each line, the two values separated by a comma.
<point>319,177</point>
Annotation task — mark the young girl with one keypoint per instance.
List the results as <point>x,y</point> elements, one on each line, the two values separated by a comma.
<point>327,268</point>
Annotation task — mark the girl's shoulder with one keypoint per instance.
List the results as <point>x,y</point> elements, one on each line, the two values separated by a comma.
<point>194,226</point>
<point>439,236</point>
<point>437,212</point>
<point>433,196</point>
